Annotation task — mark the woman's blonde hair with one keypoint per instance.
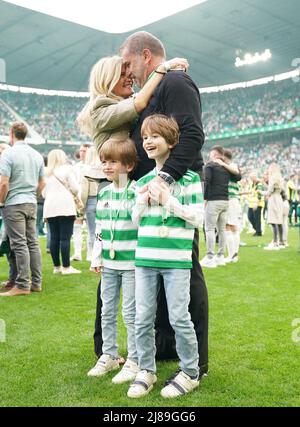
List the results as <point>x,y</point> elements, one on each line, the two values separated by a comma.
<point>104,76</point>
<point>274,174</point>
<point>55,159</point>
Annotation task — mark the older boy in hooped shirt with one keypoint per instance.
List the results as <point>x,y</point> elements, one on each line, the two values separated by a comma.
<point>167,220</point>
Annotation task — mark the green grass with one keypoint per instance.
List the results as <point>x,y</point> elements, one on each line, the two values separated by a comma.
<point>253,359</point>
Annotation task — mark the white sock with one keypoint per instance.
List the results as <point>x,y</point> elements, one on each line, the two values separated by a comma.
<point>77,240</point>
<point>230,243</point>
<point>236,241</point>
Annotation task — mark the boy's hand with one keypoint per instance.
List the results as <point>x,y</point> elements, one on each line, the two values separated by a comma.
<point>159,192</point>
<point>143,195</point>
<point>96,270</point>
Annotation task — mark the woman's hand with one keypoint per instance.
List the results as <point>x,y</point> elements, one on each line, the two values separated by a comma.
<point>219,162</point>
<point>174,64</point>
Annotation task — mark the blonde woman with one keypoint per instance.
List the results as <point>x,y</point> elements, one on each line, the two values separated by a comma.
<point>112,109</point>
<point>88,193</point>
<point>275,206</point>
<point>60,209</point>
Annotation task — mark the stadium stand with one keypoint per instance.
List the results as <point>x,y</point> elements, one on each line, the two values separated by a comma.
<point>53,117</point>
<point>275,103</point>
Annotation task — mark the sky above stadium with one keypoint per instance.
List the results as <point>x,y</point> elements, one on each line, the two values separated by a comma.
<point>113,16</point>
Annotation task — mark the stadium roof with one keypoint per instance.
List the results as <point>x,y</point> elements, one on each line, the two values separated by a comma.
<point>46,52</point>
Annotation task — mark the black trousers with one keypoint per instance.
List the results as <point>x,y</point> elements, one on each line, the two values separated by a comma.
<point>254,217</point>
<point>164,334</point>
<point>293,208</point>
<point>61,230</point>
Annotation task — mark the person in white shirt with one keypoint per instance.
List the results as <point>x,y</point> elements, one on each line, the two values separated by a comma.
<point>77,233</point>
<point>60,209</point>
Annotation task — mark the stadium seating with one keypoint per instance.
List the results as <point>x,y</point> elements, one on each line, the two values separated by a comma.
<point>274,103</point>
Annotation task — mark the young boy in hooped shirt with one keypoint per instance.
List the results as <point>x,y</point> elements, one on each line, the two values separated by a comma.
<point>114,254</point>
<point>167,217</point>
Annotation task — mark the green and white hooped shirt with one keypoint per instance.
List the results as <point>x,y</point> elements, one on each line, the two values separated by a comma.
<point>166,233</point>
<point>116,235</point>
<point>233,190</point>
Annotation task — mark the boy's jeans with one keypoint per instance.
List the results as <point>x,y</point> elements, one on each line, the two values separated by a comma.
<point>112,280</point>
<point>177,289</point>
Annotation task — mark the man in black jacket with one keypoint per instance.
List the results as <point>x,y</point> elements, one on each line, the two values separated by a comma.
<point>179,97</point>
<point>176,96</point>
<point>217,175</point>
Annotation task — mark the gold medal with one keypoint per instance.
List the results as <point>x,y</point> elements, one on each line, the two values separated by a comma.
<point>112,253</point>
<point>163,231</point>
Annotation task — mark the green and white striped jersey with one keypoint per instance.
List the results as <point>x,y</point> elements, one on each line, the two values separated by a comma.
<point>113,216</point>
<point>166,233</point>
<point>233,190</point>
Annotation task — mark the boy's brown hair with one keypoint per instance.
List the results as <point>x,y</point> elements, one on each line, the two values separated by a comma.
<point>19,130</point>
<point>122,150</point>
<point>167,127</point>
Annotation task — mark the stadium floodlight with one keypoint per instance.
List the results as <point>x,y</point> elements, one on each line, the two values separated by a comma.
<point>250,59</point>
<point>112,16</point>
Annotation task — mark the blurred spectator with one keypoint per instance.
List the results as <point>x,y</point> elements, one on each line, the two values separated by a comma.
<point>60,209</point>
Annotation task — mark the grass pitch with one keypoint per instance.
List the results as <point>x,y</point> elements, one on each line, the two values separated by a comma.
<point>254,349</point>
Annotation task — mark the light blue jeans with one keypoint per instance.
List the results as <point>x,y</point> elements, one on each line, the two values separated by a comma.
<point>90,213</point>
<point>177,289</point>
<point>112,280</point>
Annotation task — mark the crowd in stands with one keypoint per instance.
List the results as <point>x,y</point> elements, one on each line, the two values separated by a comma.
<point>5,119</point>
<point>53,117</point>
<point>254,107</point>
<point>260,156</point>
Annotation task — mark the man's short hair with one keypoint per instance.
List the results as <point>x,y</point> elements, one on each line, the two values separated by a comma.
<point>167,127</point>
<point>19,130</point>
<point>121,150</point>
<point>228,154</point>
<point>141,40</point>
<point>218,148</point>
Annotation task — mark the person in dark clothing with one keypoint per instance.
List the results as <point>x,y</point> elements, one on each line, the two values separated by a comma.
<point>176,96</point>
<point>217,175</point>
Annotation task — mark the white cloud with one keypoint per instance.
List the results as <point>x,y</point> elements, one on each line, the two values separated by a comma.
<point>113,16</point>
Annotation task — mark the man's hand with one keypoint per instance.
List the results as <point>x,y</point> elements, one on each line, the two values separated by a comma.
<point>4,188</point>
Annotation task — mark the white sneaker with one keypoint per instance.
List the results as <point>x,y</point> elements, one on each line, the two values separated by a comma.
<point>127,373</point>
<point>142,384</point>
<point>235,258</point>
<point>220,260</point>
<point>178,386</point>
<point>76,258</point>
<point>272,247</point>
<point>70,270</point>
<point>208,262</point>
<point>57,270</point>
<point>104,365</point>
